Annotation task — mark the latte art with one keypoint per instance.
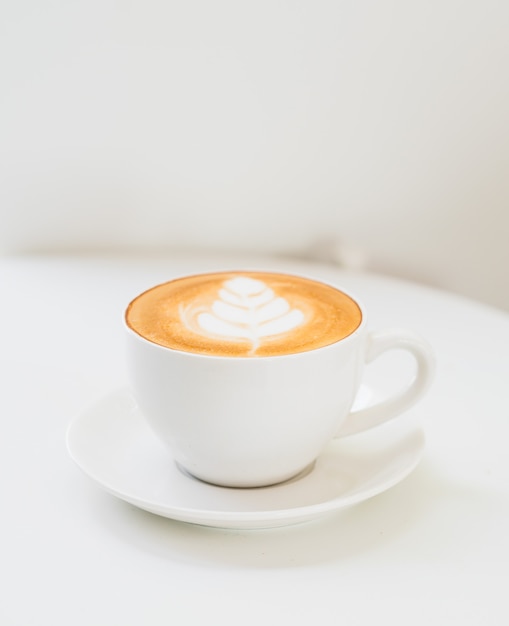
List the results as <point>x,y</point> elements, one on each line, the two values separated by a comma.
<point>245,310</point>
<point>243,314</point>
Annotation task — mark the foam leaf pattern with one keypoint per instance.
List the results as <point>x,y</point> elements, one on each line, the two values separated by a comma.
<point>245,310</point>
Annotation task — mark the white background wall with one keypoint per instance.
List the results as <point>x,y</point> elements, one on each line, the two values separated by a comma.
<point>267,126</point>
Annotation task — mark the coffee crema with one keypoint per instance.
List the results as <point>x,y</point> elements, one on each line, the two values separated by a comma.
<point>243,314</point>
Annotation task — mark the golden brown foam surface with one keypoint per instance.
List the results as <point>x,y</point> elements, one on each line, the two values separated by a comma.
<point>243,314</point>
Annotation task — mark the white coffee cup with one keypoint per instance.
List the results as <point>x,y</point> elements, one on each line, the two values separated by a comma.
<point>256,421</point>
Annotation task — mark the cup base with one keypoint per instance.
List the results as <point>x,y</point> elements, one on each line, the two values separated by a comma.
<point>230,485</point>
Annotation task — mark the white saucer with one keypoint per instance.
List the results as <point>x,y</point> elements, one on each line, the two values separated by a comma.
<point>113,445</point>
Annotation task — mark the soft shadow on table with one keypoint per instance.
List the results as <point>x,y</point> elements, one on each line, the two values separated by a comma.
<point>404,515</point>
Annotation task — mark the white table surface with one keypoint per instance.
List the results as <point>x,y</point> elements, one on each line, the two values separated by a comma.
<point>432,550</point>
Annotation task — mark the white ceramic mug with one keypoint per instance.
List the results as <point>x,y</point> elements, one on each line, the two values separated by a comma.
<point>255,421</point>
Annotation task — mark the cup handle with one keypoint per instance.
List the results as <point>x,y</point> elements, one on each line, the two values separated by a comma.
<point>377,343</point>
